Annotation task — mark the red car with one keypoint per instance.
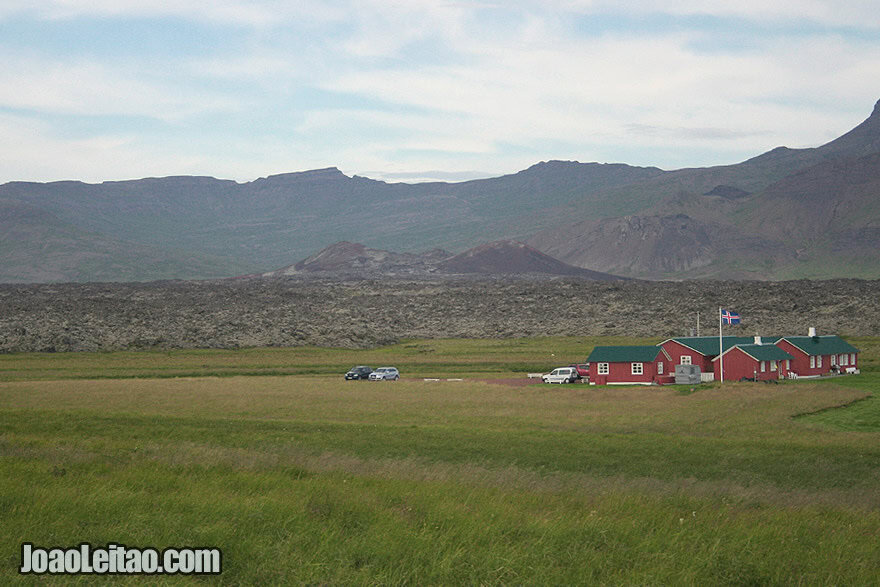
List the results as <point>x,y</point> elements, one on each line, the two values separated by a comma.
<point>583,369</point>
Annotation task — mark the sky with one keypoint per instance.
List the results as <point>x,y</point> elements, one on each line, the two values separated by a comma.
<point>415,90</point>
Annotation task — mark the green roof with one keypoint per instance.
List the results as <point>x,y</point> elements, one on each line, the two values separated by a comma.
<point>821,345</point>
<point>624,354</point>
<point>764,352</point>
<point>708,345</point>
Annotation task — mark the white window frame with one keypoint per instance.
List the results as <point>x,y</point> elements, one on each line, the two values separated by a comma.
<point>812,361</point>
<point>763,366</point>
<point>833,360</point>
<point>602,369</point>
<point>852,359</point>
<point>637,368</point>
<point>686,360</point>
<point>659,367</point>
<point>819,361</point>
<point>844,360</point>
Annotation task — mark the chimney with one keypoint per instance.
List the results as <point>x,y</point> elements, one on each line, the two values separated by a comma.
<point>757,339</point>
<point>812,332</point>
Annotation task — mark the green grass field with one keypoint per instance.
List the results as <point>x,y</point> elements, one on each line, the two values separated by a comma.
<point>301,477</point>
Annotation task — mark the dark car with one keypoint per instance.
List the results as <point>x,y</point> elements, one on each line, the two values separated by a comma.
<point>360,372</point>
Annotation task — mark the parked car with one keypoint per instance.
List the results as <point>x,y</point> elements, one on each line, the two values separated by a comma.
<point>360,372</point>
<point>385,374</point>
<point>583,369</point>
<point>561,375</point>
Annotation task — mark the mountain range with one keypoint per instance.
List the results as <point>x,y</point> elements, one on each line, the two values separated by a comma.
<point>787,213</point>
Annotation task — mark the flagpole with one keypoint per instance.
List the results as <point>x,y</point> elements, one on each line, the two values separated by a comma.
<point>720,348</point>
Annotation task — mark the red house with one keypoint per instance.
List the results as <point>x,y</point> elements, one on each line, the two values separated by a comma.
<point>629,365</point>
<point>760,362</point>
<point>701,350</point>
<point>813,356</point>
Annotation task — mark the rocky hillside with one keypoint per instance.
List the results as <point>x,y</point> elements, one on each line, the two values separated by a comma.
<point>787,213</point>
<point>657,247</point>
<point>297,311</point>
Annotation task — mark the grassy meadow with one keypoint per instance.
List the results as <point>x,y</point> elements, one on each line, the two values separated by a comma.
<point>299,476</point>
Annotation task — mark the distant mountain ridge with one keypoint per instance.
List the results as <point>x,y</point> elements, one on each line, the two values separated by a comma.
<point>217,228</point>
<point>786,213</point>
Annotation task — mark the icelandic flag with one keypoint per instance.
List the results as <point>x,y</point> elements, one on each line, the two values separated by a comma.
<point>728,317</point>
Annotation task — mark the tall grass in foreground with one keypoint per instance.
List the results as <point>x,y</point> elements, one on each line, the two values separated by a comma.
<point>288,525</point>
<point>314,480</point>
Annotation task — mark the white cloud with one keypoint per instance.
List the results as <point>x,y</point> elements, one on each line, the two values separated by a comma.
<point>425,85</point>
<point>91,88</point>
<point>239,12</point>
<point>855,13</point>
<point>31,151</point>
<point>545,85</point>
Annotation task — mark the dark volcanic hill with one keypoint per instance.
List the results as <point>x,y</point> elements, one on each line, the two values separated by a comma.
<point>345,258</point>
<point>506,257</point>
<point>787,213</point>
<point>496,258</point>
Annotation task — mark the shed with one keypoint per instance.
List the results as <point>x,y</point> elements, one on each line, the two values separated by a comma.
<point>687,374</point>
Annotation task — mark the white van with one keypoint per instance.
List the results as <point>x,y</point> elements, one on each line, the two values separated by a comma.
<point>561,375</point>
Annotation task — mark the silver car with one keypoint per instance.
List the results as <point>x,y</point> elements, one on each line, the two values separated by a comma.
<point>385,374</point>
